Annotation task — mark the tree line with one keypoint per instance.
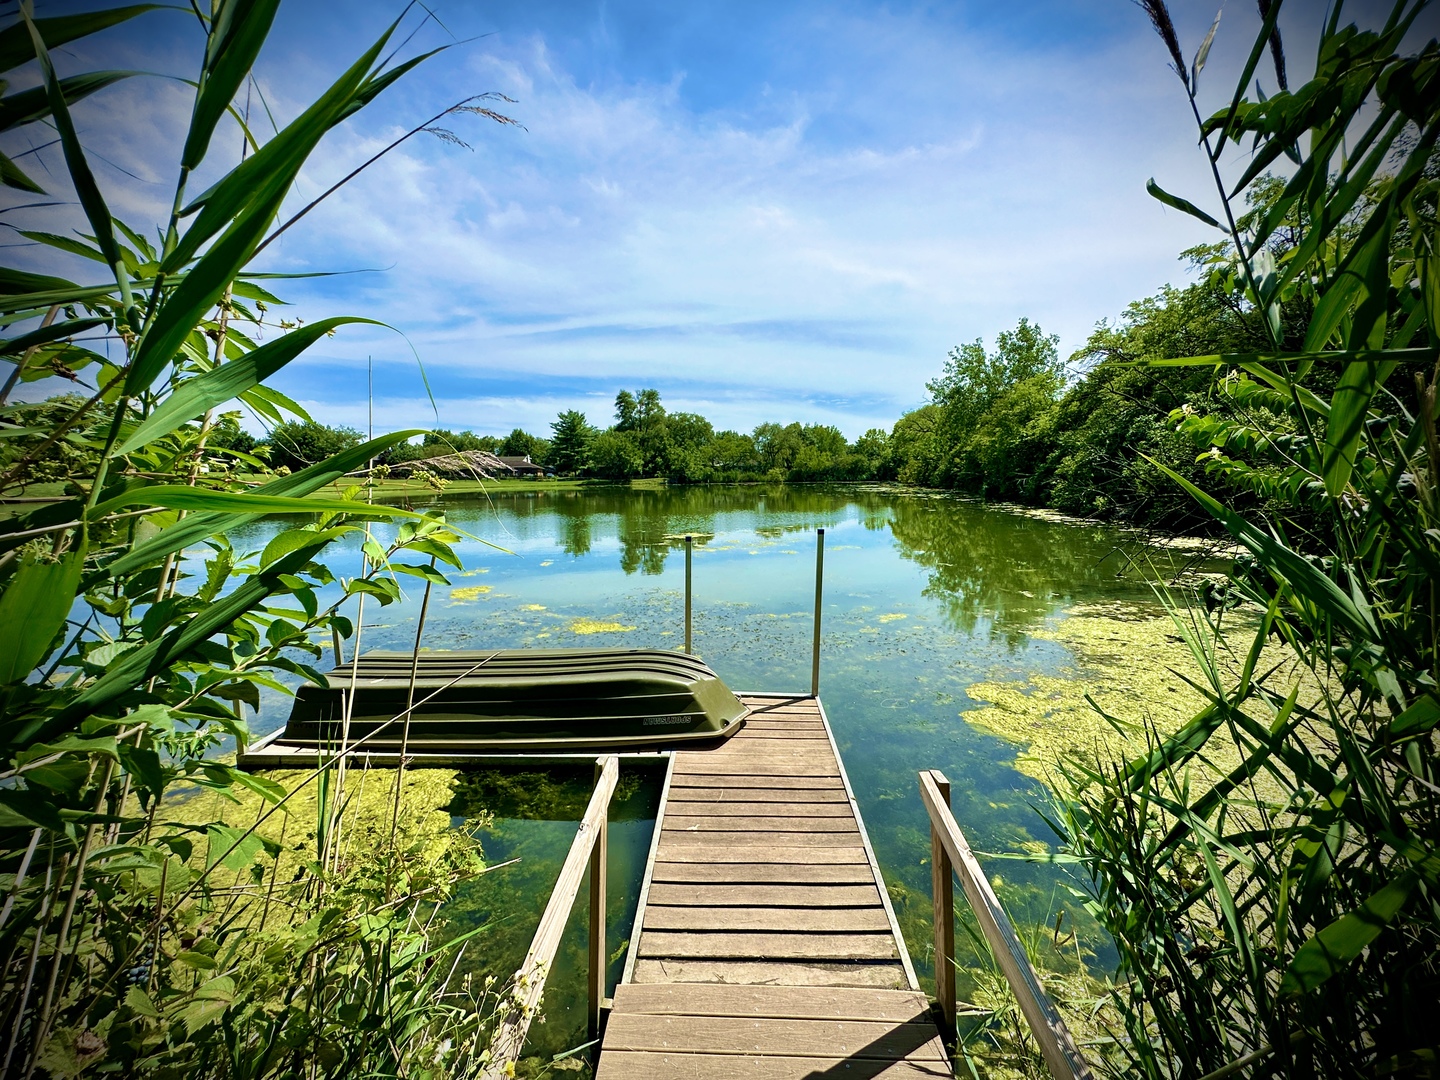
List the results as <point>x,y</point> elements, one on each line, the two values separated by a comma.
<point>645,441</point>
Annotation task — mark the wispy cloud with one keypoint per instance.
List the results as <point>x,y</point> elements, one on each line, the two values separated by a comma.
<point>789,215</point>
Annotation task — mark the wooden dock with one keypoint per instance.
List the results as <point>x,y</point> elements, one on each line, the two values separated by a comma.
<point>765,945</point>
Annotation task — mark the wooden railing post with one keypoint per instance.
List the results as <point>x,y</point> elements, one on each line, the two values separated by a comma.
<point>587,849</point>
<point>598,957</point>
<point>942,889</point>
<point>1056,1044</point>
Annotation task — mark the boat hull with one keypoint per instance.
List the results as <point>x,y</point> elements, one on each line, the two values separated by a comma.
<point>517,699</point>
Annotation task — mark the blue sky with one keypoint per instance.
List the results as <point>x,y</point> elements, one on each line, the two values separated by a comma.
<point>768,211</point>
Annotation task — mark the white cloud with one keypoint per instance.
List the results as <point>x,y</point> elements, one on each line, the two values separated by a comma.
<point>817,246</point>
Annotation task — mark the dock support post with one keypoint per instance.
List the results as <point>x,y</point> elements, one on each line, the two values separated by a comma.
<point>942,889</point>
<point>819,590</point>
<point>688,546</point>
<point>598,957</point>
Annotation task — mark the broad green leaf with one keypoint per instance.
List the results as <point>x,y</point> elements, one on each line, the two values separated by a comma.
<point>1420,717</point>
<point>18,282</point>
<point>104,745</point>
<point>145,767</point>
<point>34,607</point>
<point>30,105</point>
<point>1303,576</point>
<point>275,400</point>
<point>88,191</point>
<point>16,48</point>
<point>274,165</point>
<point>137,667</point>
<point>270,790</point>
<point>1349,408</point>
<point>420,570</point>
<point>288,540</point>
<point>248,290</point>
<point>12,176</point>
<point>1334,947</point>
<point>45,334</point>
<point>140,1004</point>
<point>184,497</point>
<point>218,385</point>
<point>232,848</point>
<point>1179,204</point>
<point>23,809</point>
<point>65,243</point>
<point>237,30</point>
<point>197,527</point>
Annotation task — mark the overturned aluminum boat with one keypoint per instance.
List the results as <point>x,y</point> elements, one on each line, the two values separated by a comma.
<point>517,699</point>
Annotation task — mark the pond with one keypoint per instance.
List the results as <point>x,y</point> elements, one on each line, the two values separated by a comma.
<point>926,597</point>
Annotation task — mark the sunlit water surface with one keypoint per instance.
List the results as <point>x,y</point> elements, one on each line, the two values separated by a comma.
<point>925,596</point>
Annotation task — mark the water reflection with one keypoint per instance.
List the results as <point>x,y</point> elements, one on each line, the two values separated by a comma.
<point>925,597</point>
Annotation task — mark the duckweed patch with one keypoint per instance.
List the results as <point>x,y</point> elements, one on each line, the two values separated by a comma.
<point>598,626</point>
<point>469,592</point>
<point>1129,661</point>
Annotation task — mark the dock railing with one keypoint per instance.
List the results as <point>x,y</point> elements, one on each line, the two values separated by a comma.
<point>587,850</point>
<point>950,854</point>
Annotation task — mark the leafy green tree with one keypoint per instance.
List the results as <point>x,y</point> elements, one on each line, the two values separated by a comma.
<point>615,455</point>
<point>777,446</point>
<point>571,435</point>
<point>872,456</point>
<point>1113,424</point>
<point>973,441</point>
<point>687,457</point>
<point>297,444</point>
<point>914,446</point>
<point>732,455</point>
<point>627,411</point>
<point>522,444</point>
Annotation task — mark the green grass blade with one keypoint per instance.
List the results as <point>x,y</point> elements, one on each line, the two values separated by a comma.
<point>1334,947</point>
<point>86,188</point>
<point>274,165</point>
<point>1183,205</point>
<point>193,529</point>
<point>199,291</point>
<point>237,31</point>
<point>1310,356</point>
<point>184,497</point>
<point>16,48</point>
<point>1349,408</point>
<point>33,608</point>
<point>30,105</point>
<point>12,176</point>
<point>1303,576</point>
<point>45,334</point>
<point>220,384</point>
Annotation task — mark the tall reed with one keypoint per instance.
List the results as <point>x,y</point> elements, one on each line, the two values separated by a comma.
<point>1279,917</point>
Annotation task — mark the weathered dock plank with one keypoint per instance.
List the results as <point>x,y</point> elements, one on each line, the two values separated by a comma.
<point>765,945</point>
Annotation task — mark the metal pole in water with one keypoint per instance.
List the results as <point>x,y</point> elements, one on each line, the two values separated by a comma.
<point>687,593</point>
<point>819,586</point>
